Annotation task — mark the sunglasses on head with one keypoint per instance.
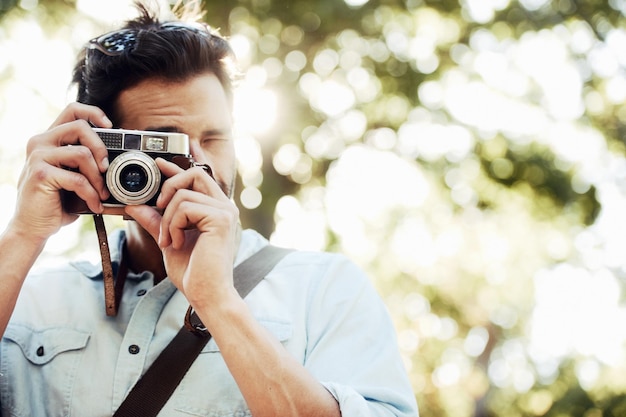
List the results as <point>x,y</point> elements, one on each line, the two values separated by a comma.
<point>116,42</point>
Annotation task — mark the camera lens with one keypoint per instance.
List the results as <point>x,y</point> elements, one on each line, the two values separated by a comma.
<point>133,178</point>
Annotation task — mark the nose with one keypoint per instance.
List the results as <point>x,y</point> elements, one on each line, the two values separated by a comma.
<point>196,152</point>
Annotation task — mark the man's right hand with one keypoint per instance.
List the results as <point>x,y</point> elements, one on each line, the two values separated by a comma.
<point>38,212</point>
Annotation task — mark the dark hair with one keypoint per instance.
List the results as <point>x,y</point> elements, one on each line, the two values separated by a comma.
<point>155,51</point>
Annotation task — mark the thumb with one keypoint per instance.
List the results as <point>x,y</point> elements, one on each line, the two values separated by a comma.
<point>146,217</point>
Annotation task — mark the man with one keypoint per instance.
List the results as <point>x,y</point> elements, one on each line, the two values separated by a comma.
<point>312,339</point>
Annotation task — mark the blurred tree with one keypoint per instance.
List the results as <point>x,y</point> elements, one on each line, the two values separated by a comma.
<point>6,5</point>
<point>494,119</point>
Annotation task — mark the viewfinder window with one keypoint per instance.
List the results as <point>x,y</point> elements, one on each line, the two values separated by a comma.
<point>132,141</point>
<point>155,144</point>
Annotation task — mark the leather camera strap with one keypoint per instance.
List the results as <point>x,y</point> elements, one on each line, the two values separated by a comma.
<point>156,386</point>
<point>113,287</point>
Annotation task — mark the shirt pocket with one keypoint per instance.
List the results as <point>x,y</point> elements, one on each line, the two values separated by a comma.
<point>208,389</point>
<point>38,368</point>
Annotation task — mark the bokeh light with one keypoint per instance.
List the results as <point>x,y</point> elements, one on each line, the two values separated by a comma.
<point>469,156</point>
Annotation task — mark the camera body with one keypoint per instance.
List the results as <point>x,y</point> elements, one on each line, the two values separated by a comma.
<point>133,177</point>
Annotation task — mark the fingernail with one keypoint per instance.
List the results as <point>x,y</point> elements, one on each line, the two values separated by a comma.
<point>105,162</point>
<point>106,120</point>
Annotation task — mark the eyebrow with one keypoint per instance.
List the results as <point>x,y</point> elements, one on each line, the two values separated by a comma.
<point>174,129</point>
<point>168,129</point>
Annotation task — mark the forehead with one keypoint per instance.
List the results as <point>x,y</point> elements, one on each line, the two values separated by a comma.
<point>197,103</point>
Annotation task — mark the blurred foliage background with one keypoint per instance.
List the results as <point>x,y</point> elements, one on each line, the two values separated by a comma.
<point>468,154</point>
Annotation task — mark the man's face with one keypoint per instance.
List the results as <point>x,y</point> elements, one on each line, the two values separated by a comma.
<point>198,107</point>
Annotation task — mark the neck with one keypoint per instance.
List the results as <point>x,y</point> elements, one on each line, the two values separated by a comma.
<point>144,253</point>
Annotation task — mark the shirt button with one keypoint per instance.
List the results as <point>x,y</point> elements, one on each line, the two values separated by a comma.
<point>133,349</point>
<point>40,351</point>
<point>141,292</point>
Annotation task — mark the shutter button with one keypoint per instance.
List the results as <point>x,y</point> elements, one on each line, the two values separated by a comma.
<point>40,351</point>
<point>133,349</point>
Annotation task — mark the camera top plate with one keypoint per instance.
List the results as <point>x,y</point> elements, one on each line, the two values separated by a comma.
<point>144,140</point>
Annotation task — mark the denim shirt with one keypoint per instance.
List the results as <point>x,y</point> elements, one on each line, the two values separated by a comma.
<point>62,356</point>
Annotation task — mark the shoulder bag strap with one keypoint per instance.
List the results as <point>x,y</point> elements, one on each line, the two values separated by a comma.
<point>155,387</point>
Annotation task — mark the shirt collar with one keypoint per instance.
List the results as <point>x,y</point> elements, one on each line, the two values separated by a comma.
<point>251,242</point>
<point>93,271</point>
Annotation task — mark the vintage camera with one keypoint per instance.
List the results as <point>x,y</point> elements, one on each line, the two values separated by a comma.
<point>133,176</point>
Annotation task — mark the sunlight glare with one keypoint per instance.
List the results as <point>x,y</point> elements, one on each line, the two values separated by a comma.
<point>476,341</point>
<point>358,175</point>
<point>351,125</point>
<point>249,157</point>
<point>295,61</point>
<point>533,5</point>
<point>286,158</point>
<point>365,85</point>
<point>545,58</point>
<point>433,141</point>
<point>255,109</point>
<point>576,144</point>
<point>483,11</point>
<point>332,98</point>
<point>299,225</point>
<point>412,245</point>
<point>356,3</point>
<point>110,12</point>
<point>355,178</point>
<point>251,197</point>
<point>578,311</point>
<point>587,372</point>
<point>325,62</point>
<point>243,49</point>
<point>476,104</point>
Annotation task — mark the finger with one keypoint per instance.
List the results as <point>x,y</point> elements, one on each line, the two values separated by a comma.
<point>80,158</point>
<point>168,230</point>
<point>169,169</point>
<point>147,218</point>
<point>76,111</point>
<point>165,237</point>
<point>195,210</point>
<point>54,179</point>
<point>188,214</point>
<point>218,222</point>
<point>77,132</point>
<point>194,179</point>
<point>73,181</point>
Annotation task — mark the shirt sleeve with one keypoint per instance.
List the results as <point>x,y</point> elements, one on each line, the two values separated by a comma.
<point>352,346</point>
